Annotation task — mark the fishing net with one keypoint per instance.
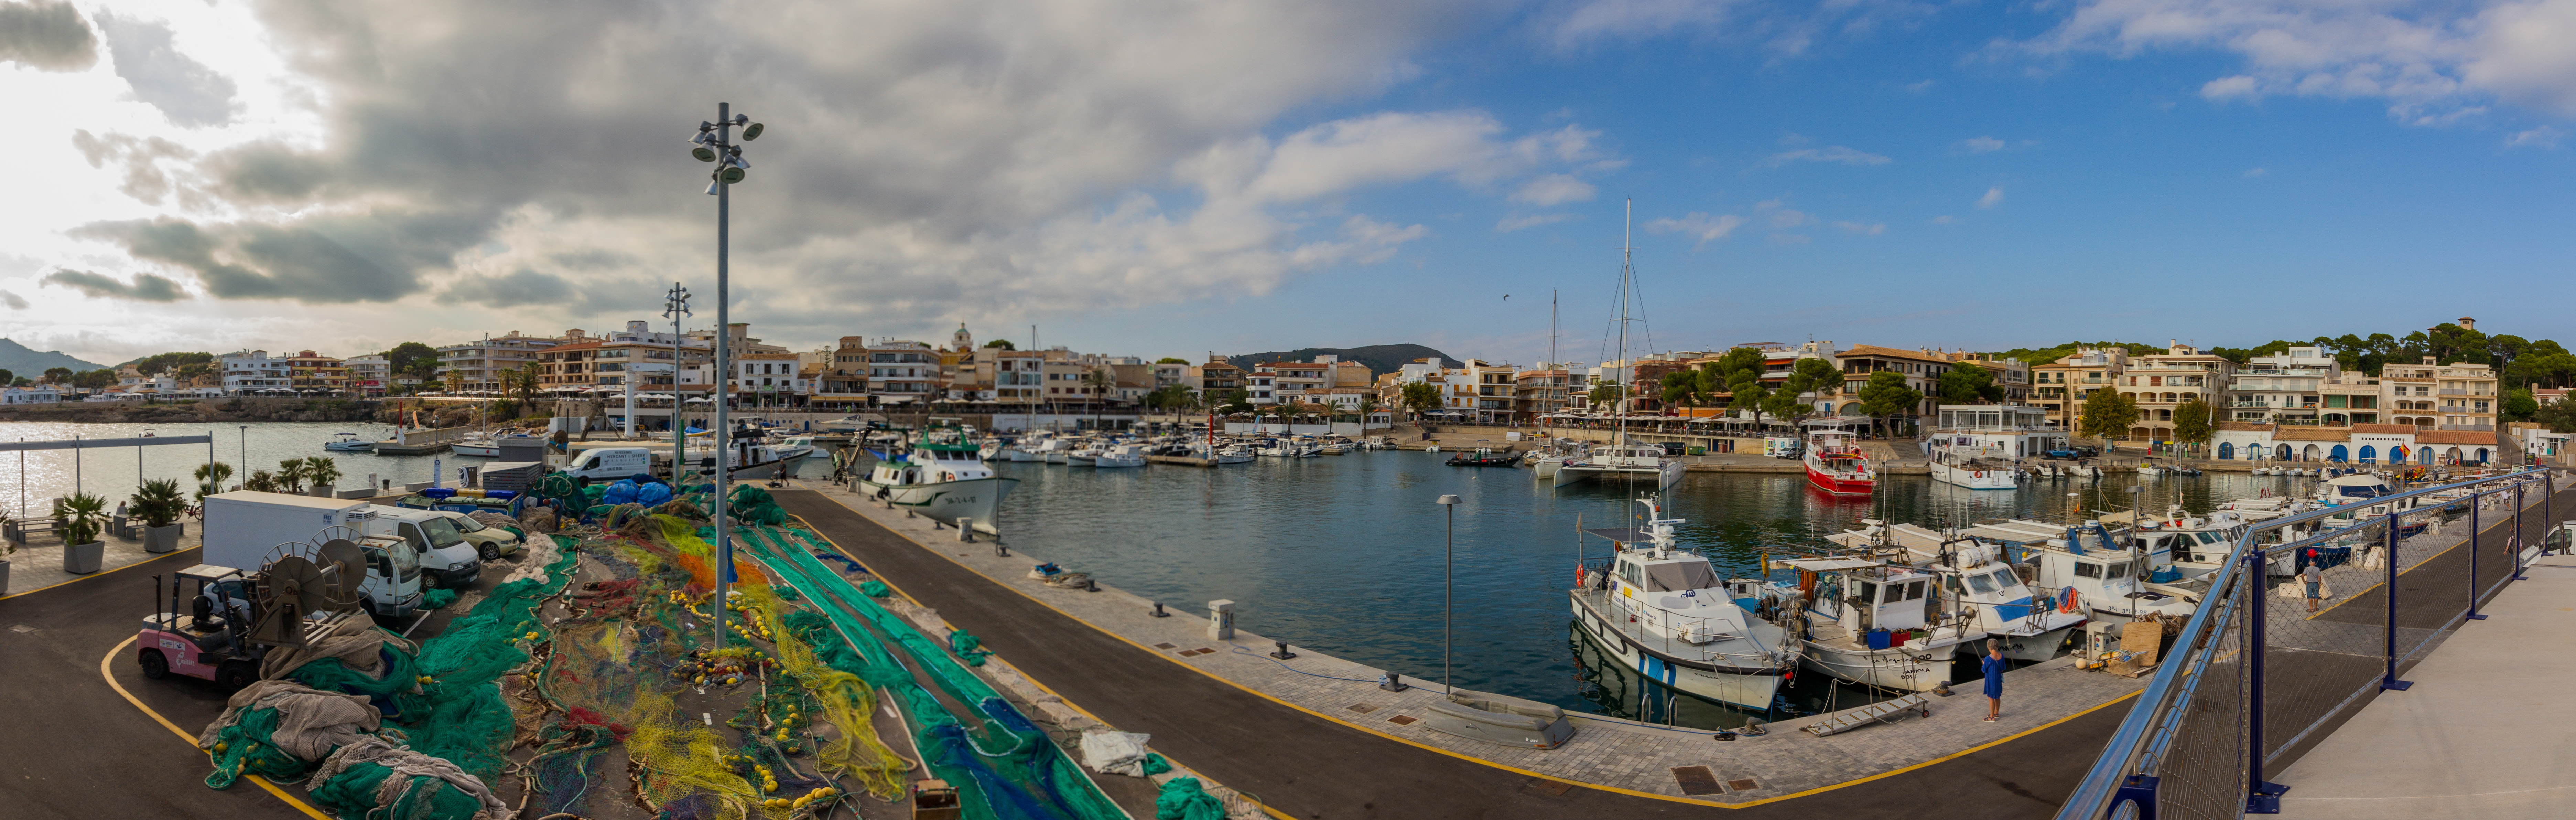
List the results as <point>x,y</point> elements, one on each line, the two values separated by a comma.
<point>437,598</point>
<point>749,504</point>
<point>376,779</point>
<point>1184,799</point>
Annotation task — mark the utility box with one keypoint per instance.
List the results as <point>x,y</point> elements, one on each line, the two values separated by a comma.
<point>1221,620</point>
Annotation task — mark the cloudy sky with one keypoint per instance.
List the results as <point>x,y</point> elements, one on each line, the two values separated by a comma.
<point>1170,177</point>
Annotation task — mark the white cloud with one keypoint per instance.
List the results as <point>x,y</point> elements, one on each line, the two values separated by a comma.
<point>1871,229</point>
<point>1945,220</point>
<point>2254,173</point>
<point>1918,87</point>
<point>2424,57</point>
<point>1993,197</point>
<point>1553,189</point>
<point>1833,153</point>
<point>2546,136</point>
<point>1520,221</point>
<point>1698,225</point>
<point>1783,218</point>
<point>1789,29</point>
<point>1981,145</point>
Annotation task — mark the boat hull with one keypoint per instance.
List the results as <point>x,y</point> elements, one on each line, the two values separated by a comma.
<point>1907,668</point>
<point>1839,483</point>
<point>1974,479</point>
<point>1748,689</point>
<point>476,450</point>
<point>1664,475</point>
<point>357,447</point>
<point>947,500</point>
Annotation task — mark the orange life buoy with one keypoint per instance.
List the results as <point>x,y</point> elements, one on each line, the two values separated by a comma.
<point>2066,601</point>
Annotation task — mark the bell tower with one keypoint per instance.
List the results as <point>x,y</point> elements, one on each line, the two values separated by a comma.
<point>963,341</point>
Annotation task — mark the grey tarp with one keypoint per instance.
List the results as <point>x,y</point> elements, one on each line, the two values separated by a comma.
<point>407,764</point>
<point>310,722</point>
<point>354,640</point>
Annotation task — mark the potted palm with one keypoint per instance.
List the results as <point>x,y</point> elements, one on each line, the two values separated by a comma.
<point>290,476</point>
<point>210,478</point>
<point>321,470</point>
<point>159,504</point>
<point>82,516</point>
<point>260,481</point>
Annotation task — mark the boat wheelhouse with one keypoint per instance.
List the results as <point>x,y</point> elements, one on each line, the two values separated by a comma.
<point>1662,611</point>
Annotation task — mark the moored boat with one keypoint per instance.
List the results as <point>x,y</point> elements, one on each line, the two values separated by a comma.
<point>1662,611</point>
<point>1836,467</point>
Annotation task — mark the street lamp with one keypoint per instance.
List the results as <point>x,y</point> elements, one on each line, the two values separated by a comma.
<point>715,144</point>
<point>675,305</point>
<point>1448,589</point>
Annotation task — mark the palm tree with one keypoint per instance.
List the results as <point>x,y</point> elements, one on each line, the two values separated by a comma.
<point>321,470</point>
<point>524,381</point>
<point>290,475</point>
<point>210,478</point>
<point>1099,381</point>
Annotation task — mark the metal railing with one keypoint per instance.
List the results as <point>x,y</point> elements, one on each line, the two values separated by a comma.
<point>2199,739</point>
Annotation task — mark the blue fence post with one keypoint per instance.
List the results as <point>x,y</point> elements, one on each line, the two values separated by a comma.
<point>2516,543</point>
<point>2389,681</point>
<point>2261,797</point>
<point>2476,500</point>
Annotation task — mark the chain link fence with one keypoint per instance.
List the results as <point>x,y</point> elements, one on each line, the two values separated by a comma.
<point>2314,614</point>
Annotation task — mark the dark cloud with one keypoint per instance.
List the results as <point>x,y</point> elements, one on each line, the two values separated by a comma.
<point>267,171</point>
<point>185,90</point>
<point>333,259</point>
<point>145,288</point>
<point>46,36</point>
<point>519,288</point>
<point>14,301</point>
<point>144,179</point>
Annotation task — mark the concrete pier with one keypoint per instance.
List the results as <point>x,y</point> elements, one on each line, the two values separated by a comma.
<point>1315,735</point>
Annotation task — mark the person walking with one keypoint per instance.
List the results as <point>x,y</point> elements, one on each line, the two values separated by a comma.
<point>1994,666</point>
<point>2315,578</point>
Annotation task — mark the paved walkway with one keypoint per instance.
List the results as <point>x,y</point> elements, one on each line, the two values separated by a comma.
<point>2483,733</point>
<point>39,564</point>
<point>1316,756</point>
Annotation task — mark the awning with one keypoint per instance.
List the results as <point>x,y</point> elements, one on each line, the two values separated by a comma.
<point>1829,564</point>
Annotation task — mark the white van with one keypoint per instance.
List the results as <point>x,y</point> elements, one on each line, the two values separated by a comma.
<point>446,558</point>
<point>611,464</point>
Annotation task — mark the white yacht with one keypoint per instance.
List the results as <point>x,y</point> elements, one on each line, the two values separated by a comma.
<point>1661,611</point>
<point>1639,463</point>
<point>1119,455</point>
<point>941,479</point>
<point>349,443</point>
<point>1976,467</point>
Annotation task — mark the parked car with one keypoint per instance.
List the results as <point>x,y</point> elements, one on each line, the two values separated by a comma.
<point>1675,448</point>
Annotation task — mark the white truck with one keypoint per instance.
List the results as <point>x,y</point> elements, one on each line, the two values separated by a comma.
<point>446,558</point>
<point>243,529</point>
<point>610,463</point>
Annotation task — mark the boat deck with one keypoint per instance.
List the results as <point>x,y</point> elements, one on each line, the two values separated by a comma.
<point>1315,736</point>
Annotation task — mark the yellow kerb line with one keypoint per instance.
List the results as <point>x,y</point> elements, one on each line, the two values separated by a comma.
<point>104,674</point>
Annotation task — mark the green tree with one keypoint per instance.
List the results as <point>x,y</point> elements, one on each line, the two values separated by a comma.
<point>1005,344</point>
<point>210,478</point>
<point>1420,397</point>
<point>1682,387</point>
<point>159,363</point>
<point>1968,383</point>
<point>2191,421</point>
<point>2518,405</point>
<point>290,475</point>
<point>2108,414</point>
<point>1885,396</point>
<point>1163,360</point>
<point>1604,395</point>
<point>58,375</point>
<point>1745,392</point>
<point>7,377</point>
<point>2559,416</point>
<point>412,360</point>
<point>1233,401</point>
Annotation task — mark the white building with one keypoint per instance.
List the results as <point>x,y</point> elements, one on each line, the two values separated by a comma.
<point>34,394</point>
<point>2016,430</point>
<point>2281,388</point>
<point>481,361</point>
<point>251,371</point>
<point>369,375</point>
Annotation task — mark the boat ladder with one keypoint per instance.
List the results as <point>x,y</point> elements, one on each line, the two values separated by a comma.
<point>1888,711</point>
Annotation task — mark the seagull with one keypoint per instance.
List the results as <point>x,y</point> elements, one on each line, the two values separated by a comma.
<point>1507,297</point>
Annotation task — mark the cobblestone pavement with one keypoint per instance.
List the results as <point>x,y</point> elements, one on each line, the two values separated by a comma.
<point>1605,751</point>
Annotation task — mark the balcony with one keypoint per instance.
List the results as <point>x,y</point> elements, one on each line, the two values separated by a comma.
<point>2478,428</point>
<point>2452,391</point>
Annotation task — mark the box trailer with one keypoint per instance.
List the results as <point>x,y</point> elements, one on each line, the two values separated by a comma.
<point>244,528</point>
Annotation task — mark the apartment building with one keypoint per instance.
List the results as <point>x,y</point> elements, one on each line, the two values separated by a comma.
<point>2160,382</point>
<point>1541,392</point>
<point>1922,368</point>
<point>477,365</point>
<point>2060,387</point>
<point>252,371</point>
<point>2459,396</point>
<point>1285,383</point>
<point>2283,388</point>
<point>369,375</point>
<point>1218,377</point>
<point>768,379</point>
<point>2012,375</point>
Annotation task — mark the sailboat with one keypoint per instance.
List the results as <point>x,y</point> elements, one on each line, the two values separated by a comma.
<point>1623,459</point>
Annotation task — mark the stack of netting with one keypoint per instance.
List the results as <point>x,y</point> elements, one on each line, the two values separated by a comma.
<point>749,504</point>
<point>1007,766</point>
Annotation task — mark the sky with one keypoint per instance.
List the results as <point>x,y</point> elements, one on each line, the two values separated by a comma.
<point>1179,178</point>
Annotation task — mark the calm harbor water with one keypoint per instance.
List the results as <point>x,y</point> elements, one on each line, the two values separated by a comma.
<point>1345,554</point>
<point>110,472</point>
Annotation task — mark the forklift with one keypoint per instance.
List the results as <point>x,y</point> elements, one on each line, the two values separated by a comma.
<point>297,596</point>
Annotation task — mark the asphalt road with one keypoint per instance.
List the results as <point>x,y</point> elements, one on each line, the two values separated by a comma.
<point>1309,767</point>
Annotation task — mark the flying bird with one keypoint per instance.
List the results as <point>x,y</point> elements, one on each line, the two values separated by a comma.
<point>1507,297</point>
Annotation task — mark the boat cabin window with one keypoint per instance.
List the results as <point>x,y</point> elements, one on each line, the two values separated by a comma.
<point>1680,575</point>
<point>1868,591</point>
<point>1981,583</point>
<point>2359,491</point>
<point>1629,571</point>
<point>2087,569</point>
<point>1913,592</point>
<point>2119,570</point>
<point>2211,538</point>
<point>2004,579</point>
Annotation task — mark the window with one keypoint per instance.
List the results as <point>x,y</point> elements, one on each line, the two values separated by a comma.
<point>1981,584</point>
<point>1914,591</point>
<point>2087,570</point>
<point>2119,571</point>
<point>1868,592</point>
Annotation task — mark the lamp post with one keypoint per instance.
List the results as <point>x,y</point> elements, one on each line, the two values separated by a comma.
<point>1448,589</point>
<point>676,305</point>
<point>715,144</point>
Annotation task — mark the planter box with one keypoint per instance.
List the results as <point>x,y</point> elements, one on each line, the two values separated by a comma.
<point>83,559</point>
<point>162,539</point>
<point>319,491</point>
<point>4,576</point>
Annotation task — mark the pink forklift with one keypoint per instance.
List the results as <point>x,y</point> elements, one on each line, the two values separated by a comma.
<point>234,618</point>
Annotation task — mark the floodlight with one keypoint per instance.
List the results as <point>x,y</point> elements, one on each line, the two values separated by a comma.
<point>753,132</point>
<point>730,175</point>
<point>703,153</point>
<point>739,119</point>
<point>704,125</point>
<point>737,161</point>
<point>711,189</point>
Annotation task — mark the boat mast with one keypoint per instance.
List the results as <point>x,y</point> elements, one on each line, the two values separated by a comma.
<point>1627,369</point>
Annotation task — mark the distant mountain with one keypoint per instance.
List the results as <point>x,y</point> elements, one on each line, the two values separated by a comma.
<point>1379,358</point>
<point>31,364</point>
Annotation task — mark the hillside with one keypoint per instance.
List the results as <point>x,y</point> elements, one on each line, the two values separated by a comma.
<point>16,358</point>
<point>1379,358</point>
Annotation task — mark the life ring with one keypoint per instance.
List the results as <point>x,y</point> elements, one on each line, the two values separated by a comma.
<point>1578,576</point>
<point>2066,601</point>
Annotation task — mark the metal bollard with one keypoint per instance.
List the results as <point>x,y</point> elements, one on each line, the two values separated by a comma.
<point>1158,610</point>
<point>1221,619</point>
<point>966,529</point>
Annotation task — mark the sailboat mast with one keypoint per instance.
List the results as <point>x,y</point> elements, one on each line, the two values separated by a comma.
<point>1627,370</point>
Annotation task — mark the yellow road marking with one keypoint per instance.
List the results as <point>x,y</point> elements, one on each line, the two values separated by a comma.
<point>1407,741</point>
<point>93,575</point>
<point>104,674</point>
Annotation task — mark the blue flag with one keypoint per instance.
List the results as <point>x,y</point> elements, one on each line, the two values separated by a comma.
<point>724,549</point>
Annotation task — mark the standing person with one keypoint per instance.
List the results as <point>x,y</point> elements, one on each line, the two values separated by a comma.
<point>2314,578</point>
<point>1994,666</point>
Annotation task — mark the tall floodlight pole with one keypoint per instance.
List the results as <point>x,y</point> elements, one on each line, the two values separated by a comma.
<point>1448,589</point>
<point>676,305</point>
<point>715,144</point>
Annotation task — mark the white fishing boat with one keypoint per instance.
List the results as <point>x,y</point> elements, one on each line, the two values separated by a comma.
<point>476,444</point>
<point>1661,610</point>
<point>1872,622</point>
<point>1053,450</point>
<point>1977,585</point>
<point>940,479</point>
<point>1976,467</point>
<point>2112,577</point>
<point>1121,455</point>
<point>1085,457</point>
<point>348,443</point>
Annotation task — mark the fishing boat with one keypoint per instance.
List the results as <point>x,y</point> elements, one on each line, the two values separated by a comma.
<point>1871,622</point>
<point>1662,611</point>
<point>941,478</point>
<point>1976,467</point>
<point>348,443</point>
<point>1119,455</point>
<point>1982,591</point>
<point>2111,577</point>
<point>477,444</point>
<point>1483,456</point>
<point>1836,467</point>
